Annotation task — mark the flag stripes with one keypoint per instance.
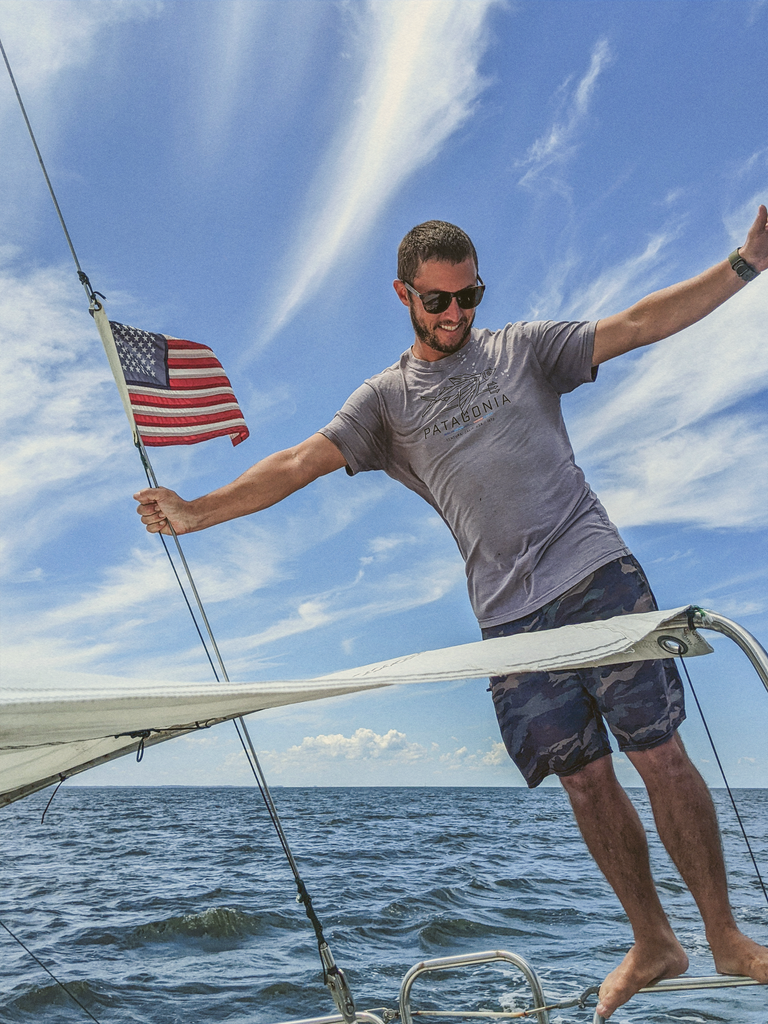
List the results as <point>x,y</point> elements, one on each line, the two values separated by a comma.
<point>178,390</point>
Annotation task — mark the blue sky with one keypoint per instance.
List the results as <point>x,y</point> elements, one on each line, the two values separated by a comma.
<point>240,173</point>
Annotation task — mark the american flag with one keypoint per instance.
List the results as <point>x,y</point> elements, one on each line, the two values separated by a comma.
<point>179,392</point>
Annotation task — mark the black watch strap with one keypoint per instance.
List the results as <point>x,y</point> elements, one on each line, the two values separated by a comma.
<point>745,270</point>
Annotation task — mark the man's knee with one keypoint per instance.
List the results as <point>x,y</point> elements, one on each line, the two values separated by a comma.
<point>593,777</point>
<point>669,760</point>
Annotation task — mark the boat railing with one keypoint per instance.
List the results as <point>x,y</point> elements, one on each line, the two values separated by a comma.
<point>447,963</point>
<point>540,1008</point>
<point>685,984</point>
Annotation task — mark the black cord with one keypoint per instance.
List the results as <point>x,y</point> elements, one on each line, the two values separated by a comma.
<point>304,898</point>
<point>63,779</point>
<point>725,780</point>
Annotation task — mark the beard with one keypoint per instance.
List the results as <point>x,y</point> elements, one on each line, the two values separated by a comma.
<point>429,337</point>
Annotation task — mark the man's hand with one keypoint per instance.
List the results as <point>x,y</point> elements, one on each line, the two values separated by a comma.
<point>755,249</point>
<point>158,506</point>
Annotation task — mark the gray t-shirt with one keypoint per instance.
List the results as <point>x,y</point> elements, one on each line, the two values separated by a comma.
<point>480,436</point>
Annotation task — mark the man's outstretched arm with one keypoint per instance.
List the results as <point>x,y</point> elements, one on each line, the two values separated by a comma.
<point>264,484</point>
<point>668,311</point>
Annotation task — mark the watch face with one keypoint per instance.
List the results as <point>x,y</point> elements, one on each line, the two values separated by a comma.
<point>744,270</point>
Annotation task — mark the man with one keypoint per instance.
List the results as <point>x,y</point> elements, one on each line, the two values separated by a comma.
<point>470,420</point>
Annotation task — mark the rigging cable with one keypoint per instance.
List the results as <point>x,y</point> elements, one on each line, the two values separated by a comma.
<point>40,963</point>
<point>83,277</point>
<point>725,780</point>
<point>332,975</point>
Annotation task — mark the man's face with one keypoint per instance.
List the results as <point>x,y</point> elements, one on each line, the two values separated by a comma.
<point>439,334</point>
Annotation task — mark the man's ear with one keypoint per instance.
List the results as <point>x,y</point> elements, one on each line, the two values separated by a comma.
<point>402,292</point>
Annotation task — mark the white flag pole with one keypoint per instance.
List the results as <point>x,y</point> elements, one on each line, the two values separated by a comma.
<point>108,341</point>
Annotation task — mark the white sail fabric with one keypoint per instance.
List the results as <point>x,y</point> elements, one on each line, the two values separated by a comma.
<point>81,721</point>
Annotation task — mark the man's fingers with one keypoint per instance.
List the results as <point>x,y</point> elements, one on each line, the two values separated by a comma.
<point>156,506</point>
<point>155,520</point>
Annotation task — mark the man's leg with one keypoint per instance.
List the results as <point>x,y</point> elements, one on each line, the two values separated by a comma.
<point>616,839</point>
<point>687,824</point>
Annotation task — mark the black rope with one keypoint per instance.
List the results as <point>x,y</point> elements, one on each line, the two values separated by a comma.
<point>725,780</point>
<point>63,779</point>
<point>40,963</point>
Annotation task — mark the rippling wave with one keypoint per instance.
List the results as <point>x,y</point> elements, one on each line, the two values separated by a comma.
<point>163,906</point>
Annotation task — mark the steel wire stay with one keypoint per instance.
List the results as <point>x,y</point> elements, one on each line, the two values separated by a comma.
<point>332,975</point>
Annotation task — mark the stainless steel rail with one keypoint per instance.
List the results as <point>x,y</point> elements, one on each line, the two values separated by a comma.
<point>704,619</point>
<point>446,963</point>
<point>364,1016</point>
<point>684,984</point>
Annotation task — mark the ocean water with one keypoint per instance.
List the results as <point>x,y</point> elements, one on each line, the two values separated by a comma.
<point>171,905</point>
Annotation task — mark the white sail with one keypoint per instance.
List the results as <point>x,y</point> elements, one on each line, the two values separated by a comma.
<point>79,721</point>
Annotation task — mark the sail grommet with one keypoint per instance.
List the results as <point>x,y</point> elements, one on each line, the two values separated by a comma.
<point>673,645</point>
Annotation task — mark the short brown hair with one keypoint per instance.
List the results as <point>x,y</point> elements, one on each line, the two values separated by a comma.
<point>432,240</point>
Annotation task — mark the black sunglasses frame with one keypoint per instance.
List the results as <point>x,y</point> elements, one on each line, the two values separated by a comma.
<point>467,298</point>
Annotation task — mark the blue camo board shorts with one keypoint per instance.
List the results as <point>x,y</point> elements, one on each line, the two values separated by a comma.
<point>554,723</point>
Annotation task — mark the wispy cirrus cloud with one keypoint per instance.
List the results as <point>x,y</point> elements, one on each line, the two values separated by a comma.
<point>614,288</point>
<point>560,141</point>
<point>367,597</point>
<point>420,81</point>
<point>46,37</point>
<point>681,437</point>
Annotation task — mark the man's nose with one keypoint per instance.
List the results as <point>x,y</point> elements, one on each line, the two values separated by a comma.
<point>454,310</point>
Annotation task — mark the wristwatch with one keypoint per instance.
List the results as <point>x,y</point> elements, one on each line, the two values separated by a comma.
<point>745,270</point>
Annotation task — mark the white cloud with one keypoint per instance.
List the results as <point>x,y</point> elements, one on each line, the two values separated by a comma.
<point>135,597</point>
<point>637,275</point>
<point>57,406</point>
<point>615,288</point>
<point>45,37</point>
<point>674,442</point>
<point>363,744</point>
<point>383,548</point>
<point>231,35</point>
<point>422,582</point>
<point>559,141</point>
<point>419,84</point>
<point>377,757</point>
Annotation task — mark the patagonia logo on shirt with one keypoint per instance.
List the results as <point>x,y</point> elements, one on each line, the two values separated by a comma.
<point>465,400</point>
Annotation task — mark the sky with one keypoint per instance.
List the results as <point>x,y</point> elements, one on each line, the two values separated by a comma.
<point>240,173</point>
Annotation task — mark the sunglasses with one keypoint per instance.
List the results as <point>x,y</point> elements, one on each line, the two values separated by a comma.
<point>438,302</point>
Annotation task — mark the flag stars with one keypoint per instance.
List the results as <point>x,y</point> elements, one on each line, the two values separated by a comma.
<point>142,354</point>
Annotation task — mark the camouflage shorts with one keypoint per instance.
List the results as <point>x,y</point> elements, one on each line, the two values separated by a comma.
<point>555,722</point>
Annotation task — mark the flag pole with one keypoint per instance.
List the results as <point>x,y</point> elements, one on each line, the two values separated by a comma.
<point>96,309</point>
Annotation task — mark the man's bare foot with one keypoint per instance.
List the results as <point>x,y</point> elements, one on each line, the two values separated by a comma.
<point>734,953</point>
<point>641,966</point>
